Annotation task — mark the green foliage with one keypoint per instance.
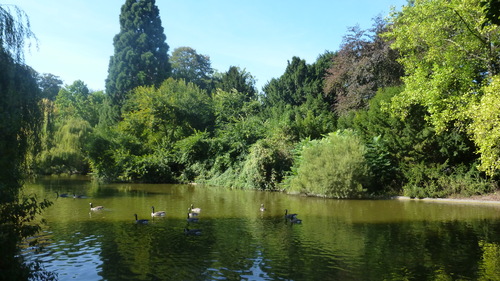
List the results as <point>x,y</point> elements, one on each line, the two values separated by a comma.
<point>49,85</point>
<point>15,28</point>
<point>189,155</point>
<point>333,167</point>
<point>192,67</point>
<point>141,54</point>
<point>442,180</point>
<point>232,106</point>
<point>150,168</point>
<point>312,119</point>
<point>447,55</point>
<point>20,122</point>
<point>266,164</point>
<point>299,81</point>
<point>236,79</point>
<point>101,147</point>
<point>76,100</point>
<point>395,145</point>
<point>383,167</point>
<point>68,122</point>
<point>485,128</point>
<point>18,221</point>
<point>173,111</point>
<point>67,154</point>
<point>492,11</point>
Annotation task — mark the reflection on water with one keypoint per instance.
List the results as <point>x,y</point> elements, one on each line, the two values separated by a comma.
<point>338,240</point>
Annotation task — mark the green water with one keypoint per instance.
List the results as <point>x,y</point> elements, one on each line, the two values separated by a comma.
<point>337,240</point>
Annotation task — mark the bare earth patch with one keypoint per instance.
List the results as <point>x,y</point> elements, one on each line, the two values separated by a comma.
<point>485,197</point>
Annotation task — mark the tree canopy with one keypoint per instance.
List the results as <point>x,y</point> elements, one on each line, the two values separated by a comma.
<point>141,53</point>
<point>187,64</point>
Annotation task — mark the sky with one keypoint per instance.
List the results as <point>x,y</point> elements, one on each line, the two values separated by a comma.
<point>75,37</point>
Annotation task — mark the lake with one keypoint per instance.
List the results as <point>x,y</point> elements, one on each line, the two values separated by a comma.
<point>337,239</point>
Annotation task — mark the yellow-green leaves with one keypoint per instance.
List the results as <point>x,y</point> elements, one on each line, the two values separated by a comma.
<point>446,54</point>
<point>485,127</point>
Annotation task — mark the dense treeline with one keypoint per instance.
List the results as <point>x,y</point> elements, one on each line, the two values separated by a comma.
<point>409,106</point>
<point>406,107</point>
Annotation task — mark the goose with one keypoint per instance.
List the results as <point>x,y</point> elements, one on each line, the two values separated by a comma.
<point>157,214</point>
<point>96,208</point>
<point>78,196</point>
<point>62,195</point>
<point>195,210</point>
<point>191,214</point>
<point>140,221</point>
<point>289,216</point>
<point>188,231</point>
<point>190,219</point>
<point>262,209</point>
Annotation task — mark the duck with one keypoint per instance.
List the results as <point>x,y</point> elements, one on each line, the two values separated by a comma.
<point>289,216</point>
<point>262,209</point>
<point>96,208</point>
<point>78,196</point>
<point>295,220</point>
<point>137,221</point>
<point>191,214</point>
<point>191,219</point>
<point>62,195</point>
<point>195,210</point>
<point>157,214</point>
<point>188,231</point>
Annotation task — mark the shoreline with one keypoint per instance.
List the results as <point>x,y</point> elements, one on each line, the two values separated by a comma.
<point>472,200</point>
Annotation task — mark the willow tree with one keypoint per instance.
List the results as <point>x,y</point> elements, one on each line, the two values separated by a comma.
<point>141,52</point>
<point>20,121</point>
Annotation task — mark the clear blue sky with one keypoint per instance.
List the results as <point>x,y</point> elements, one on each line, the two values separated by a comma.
<point>76,36</point>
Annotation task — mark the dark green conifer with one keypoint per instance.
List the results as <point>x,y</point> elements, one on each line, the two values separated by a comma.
<point>141,52</point>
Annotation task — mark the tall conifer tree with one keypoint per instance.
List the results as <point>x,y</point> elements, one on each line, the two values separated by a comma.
<point>141,52</point>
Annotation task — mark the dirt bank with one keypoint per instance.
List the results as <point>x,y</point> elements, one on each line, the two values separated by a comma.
<point>492,198</point>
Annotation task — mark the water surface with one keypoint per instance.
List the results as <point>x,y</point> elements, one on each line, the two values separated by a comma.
<point>338,239</point>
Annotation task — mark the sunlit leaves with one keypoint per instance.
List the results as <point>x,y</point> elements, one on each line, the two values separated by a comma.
<point>486,127</point>
<point>172,111</point>
<point>333,166</point>
<point>447,57</point>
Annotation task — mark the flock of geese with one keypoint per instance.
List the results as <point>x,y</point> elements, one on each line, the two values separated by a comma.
<point>192,214</point>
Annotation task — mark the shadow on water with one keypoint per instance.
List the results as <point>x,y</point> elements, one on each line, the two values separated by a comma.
<point>343,240</point>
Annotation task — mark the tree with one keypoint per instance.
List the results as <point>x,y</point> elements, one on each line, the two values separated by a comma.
<point>20,121</point>
<point>448,57</point>
<point>486,127</point>
<point>289,88</point>
<point>14,29</point>
<point>239,80</point>
<point>49,85</point>
<point>299,82</point>
<point>364,64</point>
<point>141,53</point>
<point>187,64</point>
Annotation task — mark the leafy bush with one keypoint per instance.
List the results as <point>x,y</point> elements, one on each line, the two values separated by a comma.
<point>441,180</point>
<point>152,168</point>
<point>265,165</point>
<point>333,167</point>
